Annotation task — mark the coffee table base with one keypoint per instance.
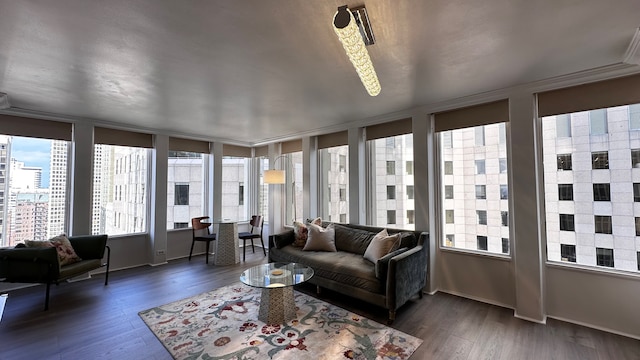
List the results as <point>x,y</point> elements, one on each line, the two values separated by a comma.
<point>277,305</point>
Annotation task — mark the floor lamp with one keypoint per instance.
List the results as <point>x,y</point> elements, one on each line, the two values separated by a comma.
<point>279,177</point>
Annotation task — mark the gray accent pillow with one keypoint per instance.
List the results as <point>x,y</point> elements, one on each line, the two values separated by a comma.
<point>352,240</point>
<point>381,245</point>
<point>320,239</point>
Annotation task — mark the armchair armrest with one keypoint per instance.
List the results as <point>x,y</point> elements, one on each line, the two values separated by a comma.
<point>89,246</point>
<point>407,273</point>
<point>282,239</point>
<point>29,264</point>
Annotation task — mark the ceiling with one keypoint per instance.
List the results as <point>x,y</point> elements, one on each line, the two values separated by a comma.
<point>250,72</point>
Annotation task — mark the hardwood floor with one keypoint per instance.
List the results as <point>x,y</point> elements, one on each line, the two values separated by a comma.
<point>88,320</point>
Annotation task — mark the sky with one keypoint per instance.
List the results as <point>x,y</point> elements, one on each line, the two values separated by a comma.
<point>33,152</point>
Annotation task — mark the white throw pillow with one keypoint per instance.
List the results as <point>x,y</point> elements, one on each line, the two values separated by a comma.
<point>381,245</point>
<point>320,239</point>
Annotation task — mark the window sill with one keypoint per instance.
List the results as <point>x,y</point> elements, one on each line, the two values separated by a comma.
<point>626,274</point>
<point>496,256</point>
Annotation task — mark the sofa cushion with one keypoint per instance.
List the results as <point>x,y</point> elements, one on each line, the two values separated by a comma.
<point>408,239</point>
<point>301,232</point>
<point>381,245</point>
<point>320,239</point>
<point>352,240</point>
<point>66,254</point>
<point>342,267</point>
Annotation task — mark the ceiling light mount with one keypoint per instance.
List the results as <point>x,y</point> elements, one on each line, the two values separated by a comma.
<point>632,55</point>
<point>353,34</point>
<point>4,101</point>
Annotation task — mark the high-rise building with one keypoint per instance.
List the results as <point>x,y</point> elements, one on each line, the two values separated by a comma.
<point>185,187</point>
<point>27,216</point>
<point>24,177</point>
<point>57,187</point>
<point>5,155</point>
<point>592,187</point>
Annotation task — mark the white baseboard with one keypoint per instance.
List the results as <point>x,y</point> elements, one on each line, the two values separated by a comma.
<point>476,298</point>
<point>543,321</point>
<point>601,328</point>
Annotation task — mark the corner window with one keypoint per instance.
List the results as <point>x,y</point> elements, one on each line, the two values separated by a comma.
<point>596,200</point>
<point>185,186</point>
<point>123,172</point>
<point>33,188</point>
<point>334,177</point>
<point>235,172</point>
<point>480,151</point>
<point>382,160</point>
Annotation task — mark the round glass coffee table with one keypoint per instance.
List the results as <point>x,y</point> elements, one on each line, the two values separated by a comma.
<point>276,281</point>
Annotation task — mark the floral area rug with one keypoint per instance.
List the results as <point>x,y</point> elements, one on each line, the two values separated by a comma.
<point>223,324</point>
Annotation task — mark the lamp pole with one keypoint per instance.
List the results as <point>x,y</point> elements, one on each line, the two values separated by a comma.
<point>293,182</point>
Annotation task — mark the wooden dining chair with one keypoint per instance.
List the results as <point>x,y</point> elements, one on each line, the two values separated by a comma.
<point>256,223</point>
<point>200,232</point>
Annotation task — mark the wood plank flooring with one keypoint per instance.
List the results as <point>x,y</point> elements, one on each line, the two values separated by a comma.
<point>88,320</point>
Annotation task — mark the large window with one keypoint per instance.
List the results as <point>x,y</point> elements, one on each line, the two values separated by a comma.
<point>391,181</point>
<point>235,172</point>
<point>186,174</point>
<point>120,189</point>
<point>334,182</point>
<point>293,196</point>
<point>598,225</point>
<point>263,189</point>
<point>33,189</point>
<point>474,177</point>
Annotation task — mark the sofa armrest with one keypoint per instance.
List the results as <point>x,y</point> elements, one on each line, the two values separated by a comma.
<point>282,239</point>
<point>29,265</point>
<point>89,246</point>
<point>407,274</point>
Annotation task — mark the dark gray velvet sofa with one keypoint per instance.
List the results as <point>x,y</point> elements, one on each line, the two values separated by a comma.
<point>389,283</point>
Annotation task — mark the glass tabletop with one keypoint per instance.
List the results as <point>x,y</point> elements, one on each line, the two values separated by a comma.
<point>276,275</point>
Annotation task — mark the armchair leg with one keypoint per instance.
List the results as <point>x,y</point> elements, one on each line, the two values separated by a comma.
<point>206,254</point>
<point>106,276</point>
<point>244,249</point>
<point>46,297</point>
<point>263,249</point>
<point>191,251</point>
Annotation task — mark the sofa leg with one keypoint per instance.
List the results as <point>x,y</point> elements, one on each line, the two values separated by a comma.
<point>420,294</point>
<point>392,316</point>
<point>318,289</point>
<point>46,296</point>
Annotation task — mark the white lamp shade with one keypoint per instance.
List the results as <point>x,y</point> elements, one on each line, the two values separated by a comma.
<point>274,177</point>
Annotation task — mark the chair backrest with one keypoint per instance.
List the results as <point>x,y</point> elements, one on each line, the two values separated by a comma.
<point>256,222</point>
<point>198,224</point>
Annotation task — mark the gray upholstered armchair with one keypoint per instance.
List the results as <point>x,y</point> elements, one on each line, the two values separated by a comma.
<point>41,265</point>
